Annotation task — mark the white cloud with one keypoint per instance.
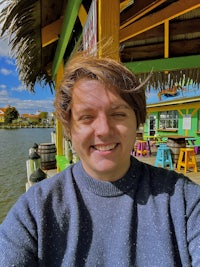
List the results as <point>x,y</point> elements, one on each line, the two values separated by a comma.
<point>5,71</point>
<point>4,98</point>
<point>3,93</point>
<point>10,61</point>
<point>30,106</point>
<point>4,48</point>
<point>26,106</point>
<point>2,86</point>
<point>19,88</point>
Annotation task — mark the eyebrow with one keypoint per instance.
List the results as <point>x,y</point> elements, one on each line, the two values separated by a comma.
<point>126,106</point>
<point>113,107</point>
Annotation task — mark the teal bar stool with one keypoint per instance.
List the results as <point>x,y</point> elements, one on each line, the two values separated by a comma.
<point>163,157</point>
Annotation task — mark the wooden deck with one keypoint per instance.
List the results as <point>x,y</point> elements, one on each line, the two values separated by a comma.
<point>193,176</point>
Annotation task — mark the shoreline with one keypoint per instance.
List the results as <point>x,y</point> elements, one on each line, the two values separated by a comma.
<point>23,126</point>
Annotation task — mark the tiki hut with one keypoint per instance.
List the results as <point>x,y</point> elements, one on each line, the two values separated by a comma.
<point>161,37</point>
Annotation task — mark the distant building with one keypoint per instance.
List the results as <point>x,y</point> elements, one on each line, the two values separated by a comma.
<point>2,114</point>
<point>30,118</point>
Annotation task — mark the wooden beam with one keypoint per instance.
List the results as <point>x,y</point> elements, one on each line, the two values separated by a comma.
<point>153,33</point>
<point>138,10</point>
<point>143,52</point>
<point>174,10</point>
<point>167,64</point>
<point>70,16</point>
<point>184,26</point>
<point>125,4</point>
<point>175,28</point>
<point>108,28</point>
<point>178,105</point>
<point>82,14</point>
<point>183,47</point>
<point>180,112</point>
<point>50,33</point>
<point>194,111</point>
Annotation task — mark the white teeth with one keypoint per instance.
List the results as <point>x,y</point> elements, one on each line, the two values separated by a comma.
<point>105,147</point>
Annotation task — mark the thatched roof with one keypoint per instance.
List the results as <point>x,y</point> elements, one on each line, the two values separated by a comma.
<point>162,80</point>
<point>23,22</point>
<point>22,26</point>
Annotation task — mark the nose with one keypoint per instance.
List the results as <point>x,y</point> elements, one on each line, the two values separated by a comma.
<point>102,126</point>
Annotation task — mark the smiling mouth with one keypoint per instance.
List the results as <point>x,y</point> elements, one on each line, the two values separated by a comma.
<point>105,147</point>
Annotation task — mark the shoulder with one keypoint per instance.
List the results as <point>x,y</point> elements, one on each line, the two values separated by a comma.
<point>163,180</point>
<point>155,173</point>
<point>53,186</point>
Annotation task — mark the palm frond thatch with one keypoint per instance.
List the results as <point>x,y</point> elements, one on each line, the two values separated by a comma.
<point>22,26</point>
<point>161,80</point>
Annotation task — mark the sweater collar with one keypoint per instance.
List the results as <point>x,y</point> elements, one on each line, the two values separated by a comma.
<point>103,188</point>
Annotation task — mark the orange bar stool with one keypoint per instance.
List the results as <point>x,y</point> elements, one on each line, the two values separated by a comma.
<point>187,159</point>
<point>142,148</point>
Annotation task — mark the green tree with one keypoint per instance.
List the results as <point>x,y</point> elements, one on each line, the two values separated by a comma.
<point>43,115</point>
<point>11,113</point>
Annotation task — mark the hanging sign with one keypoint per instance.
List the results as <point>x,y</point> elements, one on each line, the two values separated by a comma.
<point>187,122</point>
<point>90,30</point>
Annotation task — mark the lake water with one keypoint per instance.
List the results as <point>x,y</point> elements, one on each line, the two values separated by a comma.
<point>14,151</point>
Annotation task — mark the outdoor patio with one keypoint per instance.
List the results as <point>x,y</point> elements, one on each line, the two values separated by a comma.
<point>191,174</point>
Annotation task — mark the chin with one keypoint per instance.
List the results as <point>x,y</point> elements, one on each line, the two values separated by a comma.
<point>107,168</point>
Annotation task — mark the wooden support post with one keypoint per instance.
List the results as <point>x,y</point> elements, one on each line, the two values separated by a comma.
<point>108,28</point>
<point>166,39</point>
<point>59,128</point>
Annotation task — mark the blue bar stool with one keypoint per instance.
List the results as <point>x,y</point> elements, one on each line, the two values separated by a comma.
<point>163,157</point>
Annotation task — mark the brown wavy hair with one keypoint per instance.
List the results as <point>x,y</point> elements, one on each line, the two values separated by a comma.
<point>107,71</point>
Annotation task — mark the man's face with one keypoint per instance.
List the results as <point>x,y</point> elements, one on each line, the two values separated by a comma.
<point>103,130</point>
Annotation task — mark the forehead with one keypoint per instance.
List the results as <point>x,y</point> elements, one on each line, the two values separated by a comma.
<point>86,90</point>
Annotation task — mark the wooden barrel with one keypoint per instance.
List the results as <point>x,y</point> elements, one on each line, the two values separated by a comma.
<point>175,145</point>
<point>47,152</point>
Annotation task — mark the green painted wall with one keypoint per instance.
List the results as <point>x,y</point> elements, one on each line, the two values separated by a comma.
<point>192,132</point>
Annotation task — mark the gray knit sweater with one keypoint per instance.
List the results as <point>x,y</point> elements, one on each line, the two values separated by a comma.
<point>148,218</point>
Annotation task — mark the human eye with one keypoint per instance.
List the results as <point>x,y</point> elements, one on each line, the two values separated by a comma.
<point>120,111</point>
<point>85,118</point>
<point>119,114</point>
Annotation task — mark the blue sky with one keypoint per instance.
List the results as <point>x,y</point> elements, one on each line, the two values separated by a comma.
<point>189,91</point>
<point>14,93</point>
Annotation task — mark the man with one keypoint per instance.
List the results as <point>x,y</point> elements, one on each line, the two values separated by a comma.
<point>109,209</point>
